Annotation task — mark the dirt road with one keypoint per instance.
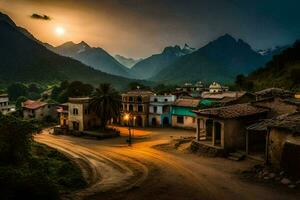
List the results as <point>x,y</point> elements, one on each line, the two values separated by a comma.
<point>116,171</point>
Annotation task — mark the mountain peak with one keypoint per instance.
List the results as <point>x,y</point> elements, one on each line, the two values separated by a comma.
<point>83,43</point>
<point>6,18</point>
<point>226,37</point>
<point>172,49</point>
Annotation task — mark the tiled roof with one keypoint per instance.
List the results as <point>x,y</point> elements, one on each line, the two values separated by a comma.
<point>29,104</point>
<point>290,122</point>
<point>261,125</point>
<point>234,111</point>
<point>193,103</point>
<point>274,92</point>
<point>228,94</point>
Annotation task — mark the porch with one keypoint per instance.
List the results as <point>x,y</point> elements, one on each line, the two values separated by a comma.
<point>210,132</point>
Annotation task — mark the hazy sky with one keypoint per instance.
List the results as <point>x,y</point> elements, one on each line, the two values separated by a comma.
<point>139,28</point>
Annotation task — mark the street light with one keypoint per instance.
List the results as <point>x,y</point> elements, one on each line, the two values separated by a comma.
<point>127,118</point>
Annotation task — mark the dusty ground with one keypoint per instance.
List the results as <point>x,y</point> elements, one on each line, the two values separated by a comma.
<point>116,171</point>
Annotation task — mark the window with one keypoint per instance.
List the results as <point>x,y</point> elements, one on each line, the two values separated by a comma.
<point>180,120</point>
<point>155,109</point>
<point>75,111</point>
<point>139,99</point>
<point>130,99</point>
<point>140,108</point>
<point>166,100</point>
<point>130,107</point>
<point>155,100</point>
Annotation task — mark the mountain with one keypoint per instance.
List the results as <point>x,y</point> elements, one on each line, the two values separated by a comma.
<point>127,62</point>
<point>150,66</point>
<point>220,60</point>
<point>282,71</point>
<point>25,60</point>
<point>95,57</point>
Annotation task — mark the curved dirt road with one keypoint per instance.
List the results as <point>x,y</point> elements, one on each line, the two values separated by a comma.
<point>114,170</point>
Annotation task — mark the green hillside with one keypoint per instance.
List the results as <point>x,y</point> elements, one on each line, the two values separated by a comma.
<point>282,71</point>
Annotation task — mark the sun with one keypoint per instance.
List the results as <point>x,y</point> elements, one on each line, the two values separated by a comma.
<point>60,31</point>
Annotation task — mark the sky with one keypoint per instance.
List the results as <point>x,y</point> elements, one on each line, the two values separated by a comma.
<point>140,28</point>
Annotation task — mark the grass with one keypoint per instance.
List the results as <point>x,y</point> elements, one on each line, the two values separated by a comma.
<point>46,175</point>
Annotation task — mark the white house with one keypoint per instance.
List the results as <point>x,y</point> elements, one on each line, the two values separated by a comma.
<point>160,110</point>
<point>5,107</point>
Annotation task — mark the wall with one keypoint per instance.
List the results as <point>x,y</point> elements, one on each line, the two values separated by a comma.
<point>234,134</point>
<point>76,118</point>
<point>277,139</point>
<point>189,122</point>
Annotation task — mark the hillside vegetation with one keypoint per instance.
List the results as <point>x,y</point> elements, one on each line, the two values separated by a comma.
<point>282,71</point>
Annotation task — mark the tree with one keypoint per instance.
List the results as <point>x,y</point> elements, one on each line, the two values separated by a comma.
<point>19,102</point>
<point>15,139</point>
<point>106,103</point>
<point>16,90</point>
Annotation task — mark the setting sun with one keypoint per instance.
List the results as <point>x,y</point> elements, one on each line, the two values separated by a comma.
<point>59,31</point>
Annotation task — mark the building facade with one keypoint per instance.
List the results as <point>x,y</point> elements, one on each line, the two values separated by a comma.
<point>5,107</point>
<point>182,115</point>
<point>80,117</point>
<point>160,110</point>
<point>136,104</point>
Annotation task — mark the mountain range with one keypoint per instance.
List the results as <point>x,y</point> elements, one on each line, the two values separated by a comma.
<point>152,65</point>
<point>97,58</point>
<point>23,59</point>
<point>220,60</point>
<point>127,62</point>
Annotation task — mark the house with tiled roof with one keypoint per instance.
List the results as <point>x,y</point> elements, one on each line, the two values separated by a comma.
<point>38,110</point>
<point>282,149</point>
<point>182,113</point>
<point>224,128</point>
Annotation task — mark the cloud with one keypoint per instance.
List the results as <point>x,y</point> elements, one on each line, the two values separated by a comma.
<point>38,16</point>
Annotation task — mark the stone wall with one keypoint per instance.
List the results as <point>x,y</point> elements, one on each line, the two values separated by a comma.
<point>206,150</point>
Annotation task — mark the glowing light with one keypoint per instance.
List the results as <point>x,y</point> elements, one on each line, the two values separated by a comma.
<point>126,117</point>
<point>59,31</point>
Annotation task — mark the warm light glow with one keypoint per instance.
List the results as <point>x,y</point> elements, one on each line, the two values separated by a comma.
<point>126,117</point>
<point>59,31</point>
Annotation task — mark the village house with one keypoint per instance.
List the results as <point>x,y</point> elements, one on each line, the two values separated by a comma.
<point>63,112</point>
<point>276,142</point>
<point>160,110</point>
<point>224,128</point>
<point>80,117</point>
<point>182,115</point>
<point>283,143</point>
<point>5,107</point>
<point>136,104</point>
<point>39,110</point>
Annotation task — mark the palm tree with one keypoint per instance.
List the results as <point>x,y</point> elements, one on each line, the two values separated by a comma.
<point>106,103</point>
